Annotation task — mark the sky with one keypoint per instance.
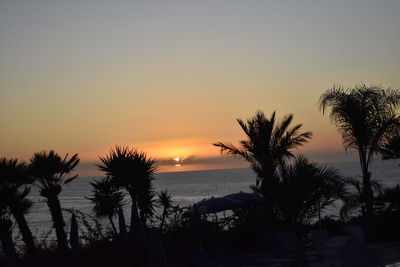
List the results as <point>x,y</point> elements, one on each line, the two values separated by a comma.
<point>172,77</point>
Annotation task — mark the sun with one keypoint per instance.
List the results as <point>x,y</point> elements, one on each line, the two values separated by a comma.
<point>177,162</point>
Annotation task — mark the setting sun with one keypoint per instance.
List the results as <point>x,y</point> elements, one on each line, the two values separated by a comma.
<point>178,162</point>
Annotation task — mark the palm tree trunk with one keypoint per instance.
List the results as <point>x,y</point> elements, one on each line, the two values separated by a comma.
<point>26,233</point>
<point>7,243</point>
<point>164,214</point>
<point>58,221</point>
<point>367,194</point>
<point>112,224</point>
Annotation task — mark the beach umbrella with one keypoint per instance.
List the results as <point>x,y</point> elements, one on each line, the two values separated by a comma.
<point>74,239</point>
<point>248,198</point>
<point>229,202</point>
<point>218,204</point>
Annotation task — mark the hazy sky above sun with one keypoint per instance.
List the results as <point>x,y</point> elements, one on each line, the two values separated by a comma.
<point>171,77</point>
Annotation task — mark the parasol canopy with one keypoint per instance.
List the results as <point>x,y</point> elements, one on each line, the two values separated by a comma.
<point>249,198</point>
<point>229,202</point>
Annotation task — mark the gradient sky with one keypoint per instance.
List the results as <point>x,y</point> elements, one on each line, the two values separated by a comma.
<point>171,77</point>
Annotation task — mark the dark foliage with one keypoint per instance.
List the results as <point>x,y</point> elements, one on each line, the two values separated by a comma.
<point>305,190</point>
<point>391,149</point>
<point>353,200</point>
<point>164,200</point>
<point>390,197</point>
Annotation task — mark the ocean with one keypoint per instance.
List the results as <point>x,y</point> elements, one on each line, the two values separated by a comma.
<point>187,188</point>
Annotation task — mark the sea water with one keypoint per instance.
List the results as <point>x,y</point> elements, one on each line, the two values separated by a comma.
<point>187,188</point>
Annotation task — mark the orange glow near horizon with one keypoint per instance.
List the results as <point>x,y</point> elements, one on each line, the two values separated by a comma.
<point>179,149</point>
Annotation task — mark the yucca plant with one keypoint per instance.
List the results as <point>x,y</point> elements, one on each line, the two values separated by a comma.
<point>164,200</point>
<point>14,189</point>
<point>132,170</point>
<point>107,199</point>
<point>50,172</point>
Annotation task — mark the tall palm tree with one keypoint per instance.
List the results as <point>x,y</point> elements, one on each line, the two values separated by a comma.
<point>49,171</point>
<point>14,190</point>
<point>107,199</point>
<point>366,119</point>
<point>133,170</point>
<point>267,145</point>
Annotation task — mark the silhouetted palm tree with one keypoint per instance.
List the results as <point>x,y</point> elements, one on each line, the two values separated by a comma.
<point>365,117</point>
<point>107,199</point>
<point>49,171</point>
<point>267,145</point>
<point>304,190</point>
<point>133,170</point>
<point>13,191</point>
<point>165,201</point>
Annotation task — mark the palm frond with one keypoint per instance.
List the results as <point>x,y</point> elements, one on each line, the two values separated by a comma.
<point>266,145</point>
<point>164,199</point>
<point>49,170</point>
<point>106,197</point>
<point>391,150</point>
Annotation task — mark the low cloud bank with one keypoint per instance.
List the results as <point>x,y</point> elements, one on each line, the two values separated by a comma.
<point>199,160</point>
<point>221,162</point>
